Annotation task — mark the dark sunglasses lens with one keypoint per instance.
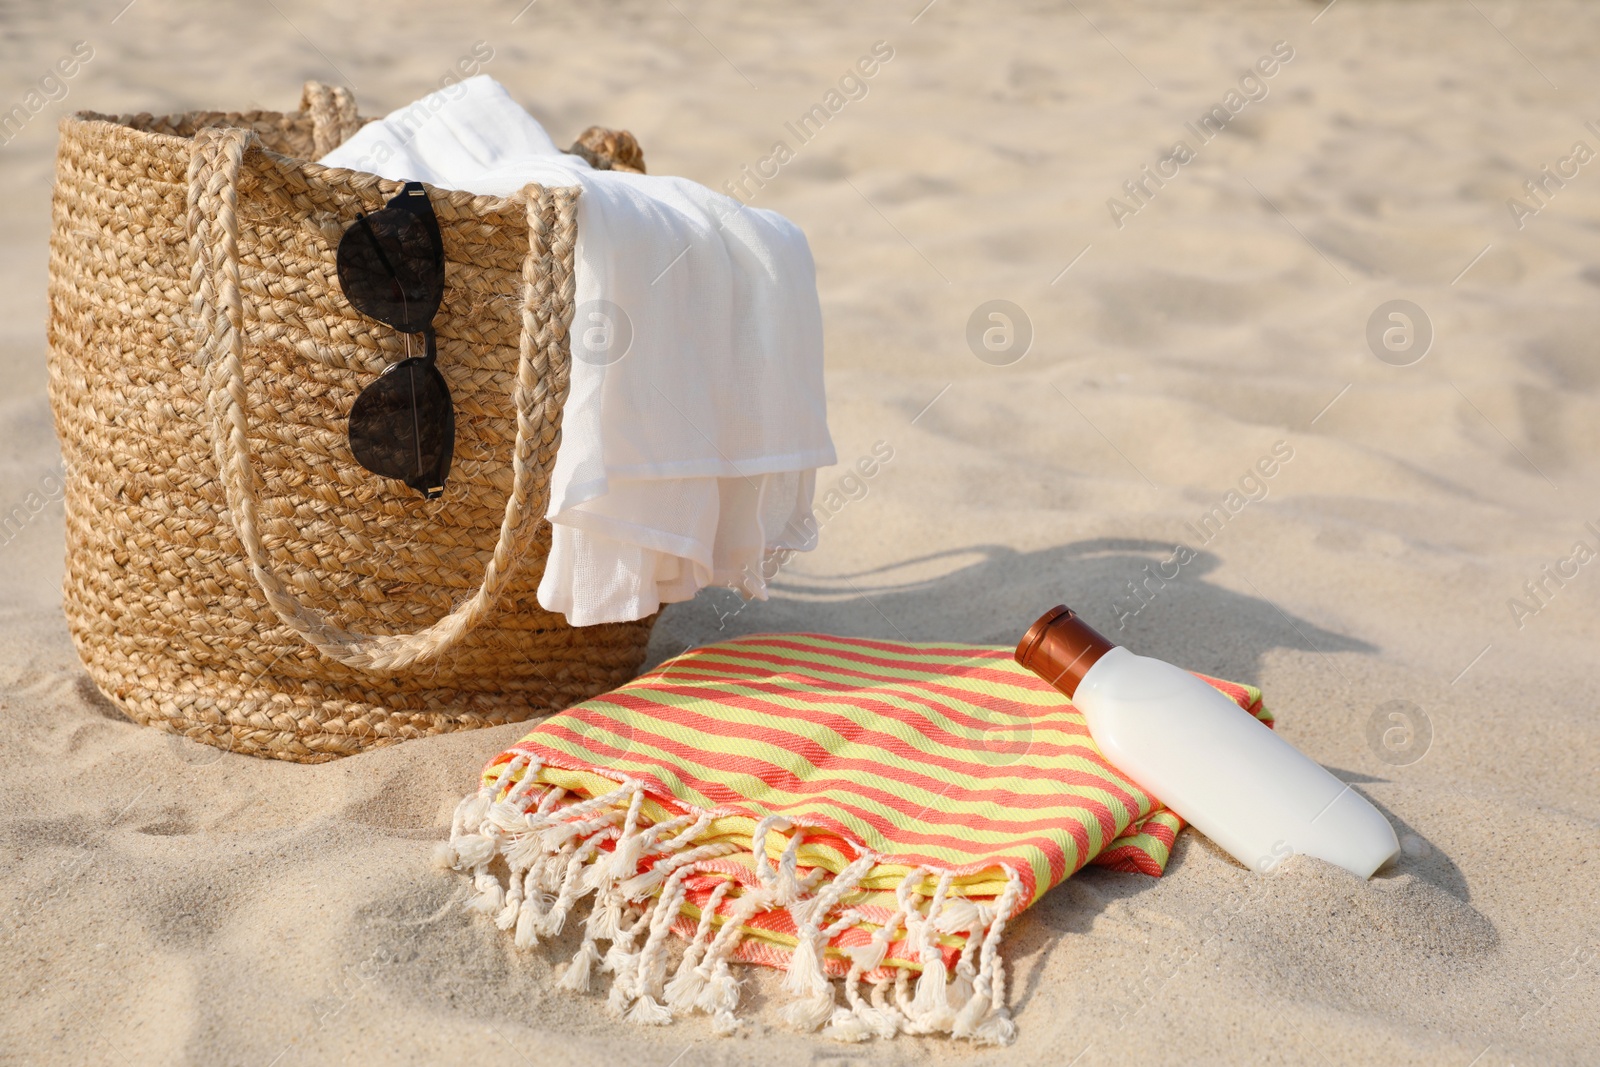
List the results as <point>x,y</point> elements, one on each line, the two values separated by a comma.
<point>403,426</point>
<point>391,270</point>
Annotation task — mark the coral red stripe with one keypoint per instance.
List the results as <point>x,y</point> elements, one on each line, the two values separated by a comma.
<point>898,653</point>
<point>719,675</point>
<point>726,798</point>
<point>1025,680</point>
<point>829,788</point>
<point>1002,748</point>
<point>823,759</point>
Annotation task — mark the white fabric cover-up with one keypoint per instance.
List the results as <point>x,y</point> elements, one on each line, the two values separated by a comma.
<point>696,418</point>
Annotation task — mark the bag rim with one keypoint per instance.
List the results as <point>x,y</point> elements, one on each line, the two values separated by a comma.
<point>120,127</point>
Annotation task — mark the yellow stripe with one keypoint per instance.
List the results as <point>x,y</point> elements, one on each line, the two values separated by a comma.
<point>740,828</point>
<point>1031,775</point>
<point>836,668</point>
<point>754,790</point>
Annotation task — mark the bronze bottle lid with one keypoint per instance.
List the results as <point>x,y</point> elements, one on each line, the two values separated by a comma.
<point>1061,647</point>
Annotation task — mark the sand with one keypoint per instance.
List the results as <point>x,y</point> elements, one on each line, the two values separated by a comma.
<point>168,903</point>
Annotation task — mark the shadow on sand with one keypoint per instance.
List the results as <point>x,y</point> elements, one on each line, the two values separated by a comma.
<point>990,594</point>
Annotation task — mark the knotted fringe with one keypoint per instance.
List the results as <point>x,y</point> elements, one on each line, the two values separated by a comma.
<point>554,857</point>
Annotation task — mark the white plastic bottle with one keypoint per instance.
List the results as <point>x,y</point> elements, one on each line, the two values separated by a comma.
<point>1225,772</point>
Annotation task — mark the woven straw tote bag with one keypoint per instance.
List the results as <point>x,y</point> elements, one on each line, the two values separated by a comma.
<point>232,573</point>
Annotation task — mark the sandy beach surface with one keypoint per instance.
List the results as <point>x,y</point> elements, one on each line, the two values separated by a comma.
<point>169,903</point>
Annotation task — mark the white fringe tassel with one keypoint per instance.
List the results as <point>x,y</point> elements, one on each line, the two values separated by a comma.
<point>553,857</point>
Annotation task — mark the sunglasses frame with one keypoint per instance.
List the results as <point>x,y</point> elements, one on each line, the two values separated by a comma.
<point>370,424</point>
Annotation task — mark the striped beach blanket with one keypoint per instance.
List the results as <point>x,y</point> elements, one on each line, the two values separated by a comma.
<point>865,815</point>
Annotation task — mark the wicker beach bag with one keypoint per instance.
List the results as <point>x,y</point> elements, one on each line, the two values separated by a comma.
<point>233,575</point>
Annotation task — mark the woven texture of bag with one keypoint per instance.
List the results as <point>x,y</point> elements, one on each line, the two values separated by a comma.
<point>232,573</point>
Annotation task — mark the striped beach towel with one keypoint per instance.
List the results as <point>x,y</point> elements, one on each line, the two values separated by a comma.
<point>865,815</point>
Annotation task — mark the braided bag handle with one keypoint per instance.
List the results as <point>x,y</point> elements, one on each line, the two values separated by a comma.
<point>542,370</point>
<point>333,115</point>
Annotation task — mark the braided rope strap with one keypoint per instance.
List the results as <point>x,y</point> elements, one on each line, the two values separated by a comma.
<point>542,374</point>
<point>333,115</point>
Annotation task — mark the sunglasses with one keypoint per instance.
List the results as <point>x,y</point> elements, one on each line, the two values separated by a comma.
<point>391,268</point>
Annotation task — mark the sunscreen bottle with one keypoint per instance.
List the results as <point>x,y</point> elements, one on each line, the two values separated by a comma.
<point>1219,767</point>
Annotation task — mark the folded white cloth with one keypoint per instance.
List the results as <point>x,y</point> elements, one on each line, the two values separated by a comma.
<point>690,459</point>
